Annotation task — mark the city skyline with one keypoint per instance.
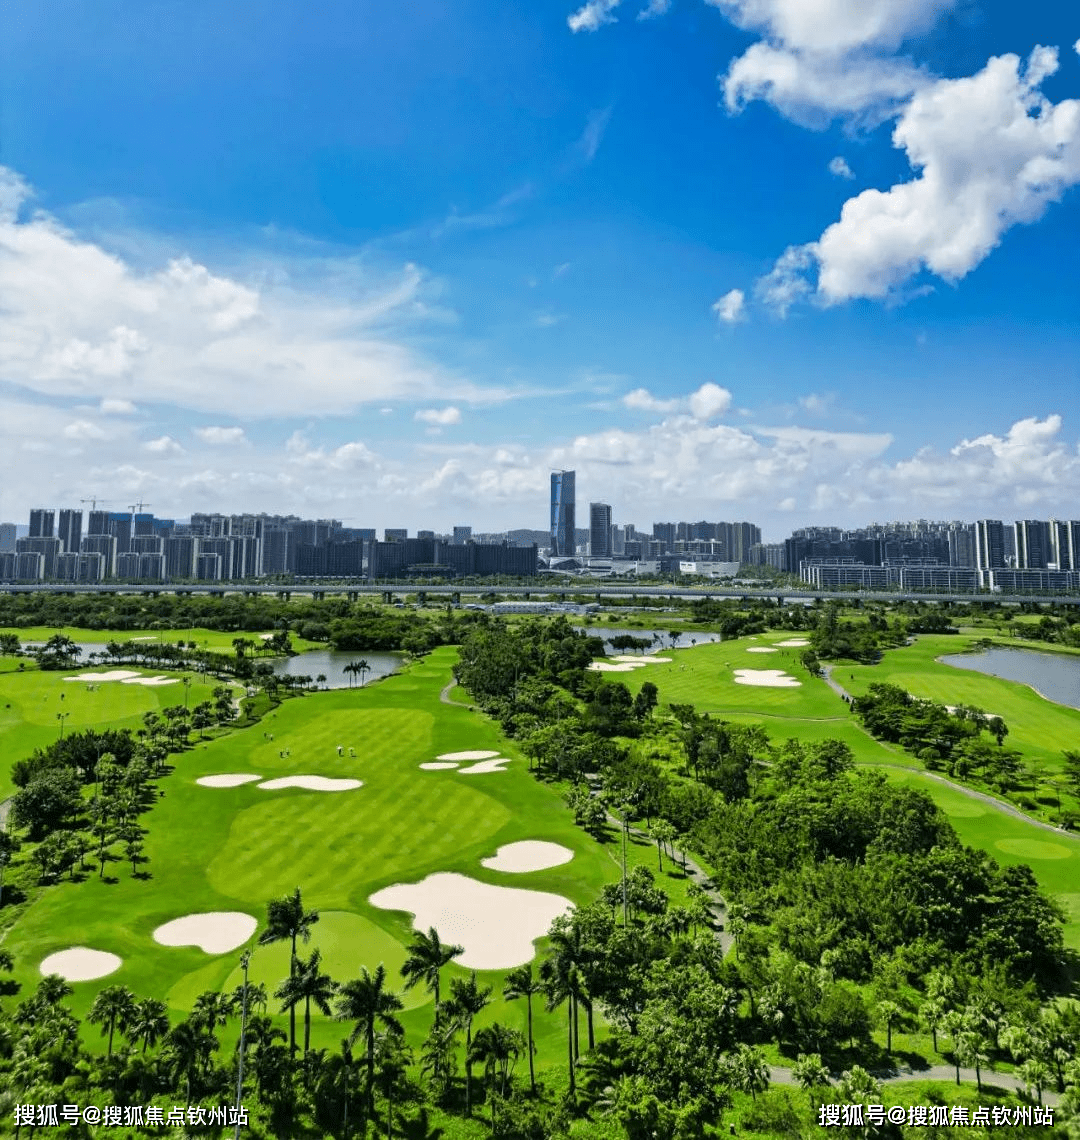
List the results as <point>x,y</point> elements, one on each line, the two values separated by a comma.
<point>807,264</point>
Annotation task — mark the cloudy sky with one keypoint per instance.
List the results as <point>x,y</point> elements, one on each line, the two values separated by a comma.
<point>797,261</point>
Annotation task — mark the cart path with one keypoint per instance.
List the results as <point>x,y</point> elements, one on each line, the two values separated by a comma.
<point>971,793</point>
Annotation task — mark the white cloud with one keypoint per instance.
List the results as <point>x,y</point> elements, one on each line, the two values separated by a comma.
<point>840,168</point>
<point>163,445</point>
<point>80,321</point>
<point>1076,47</point>
<point>817,405</point>
<point>709,400</point>
<point>593,135</point>
<point>439,417</point>
<point>653,9</point>
<point>731,308</point>
<point>113,407</point>
<point>991,152</point>
<point>548,320</point>
<point>82,430</point>
<point>593,15</point>
<point>642,400</point>
<point>834,25</point>
<point>220,435</point>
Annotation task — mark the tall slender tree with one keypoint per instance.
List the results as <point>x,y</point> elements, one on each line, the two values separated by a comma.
<point>366,1001</point>
<point>426,958</point>
<point>113,1008</point>
<point>287,920</point>
<point>467,999</point>
<point>521,983</point>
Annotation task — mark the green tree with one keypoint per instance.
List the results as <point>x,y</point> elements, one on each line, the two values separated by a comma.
<point>308,984</point>
<point>427,955</point>
<point>811,1075</point>
<point>467,999</point>
<point>367,1002</point>
<point>287,920</point>
<point>149,1022</point>
<point>113,1007</point>
<point>521,983</point>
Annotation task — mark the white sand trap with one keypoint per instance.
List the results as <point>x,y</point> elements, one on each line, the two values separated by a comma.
<point>626,659</point>
<point>312,783</point>
<point>151,638</point>
<point>620,667</point>
<point>794,643</point>
<point>159,680</point>
<point>485,766</point>
<point>108,675</point>
<point>216,931</point>
<point>990,715</point>
<point>761,649</point>
<point>439,765</point>
<point>265,636</point>
<point>80,964</point>
<point>496,925</point>
<point>766,678</point>
<point>528,855</point>
<point>227,780</point>
<point>474,755</point>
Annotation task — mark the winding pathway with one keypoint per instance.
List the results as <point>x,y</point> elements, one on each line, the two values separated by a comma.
<point>992,801</point>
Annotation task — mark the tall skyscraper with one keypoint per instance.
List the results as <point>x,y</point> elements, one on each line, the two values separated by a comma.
<point>563,498</point>
<point>1032,544</point>
<point>70,530</point>
<point>42,524</point>
<point>990,544</point>
<point>600,530</point>
<point>7,538</point>
<point>462,534</point>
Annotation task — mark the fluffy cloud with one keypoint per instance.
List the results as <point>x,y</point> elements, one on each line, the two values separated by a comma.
<point>439,417</point>
<point>991,152</point>
<point>708,401</point>
<point>642,400</point>
<point>731,307</point>
<point>593,15</point>
<point>653,9</point>
<point>117,408</point>
<point>163,445</point>
<point>840,168</point>
<point>220,435</point>
<point>823,58</point>
<point>80,321</point>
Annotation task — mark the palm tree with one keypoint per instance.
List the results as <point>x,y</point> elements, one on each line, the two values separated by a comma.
<point>498,1047</point>
<point>363,668</point>
<point>393,1058</point>
<point>309,984</point>
<point>287,919</point>
<point>351,669</point>
<point>187,1048</point>
<point>467,999</point>
<point>113,1007</point>
<point>521,983</point>
<point>559,988</point>
<point>810,1073</point>
<point>211,1009</point>
<point>366,1000</point>
<point>426,958</point>
<point>751,1071</point>
<point>149,1022</point>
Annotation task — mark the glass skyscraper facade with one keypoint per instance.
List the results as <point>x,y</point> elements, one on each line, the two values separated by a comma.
<point>562,514</point>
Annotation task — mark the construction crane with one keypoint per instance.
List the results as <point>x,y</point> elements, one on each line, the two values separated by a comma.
<point>140,504</point>
<point>93,501</point>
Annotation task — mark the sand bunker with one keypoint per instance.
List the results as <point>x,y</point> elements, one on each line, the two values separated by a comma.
<point>626,659</point>
<point>485,766</point>
<point>160,680</point>
<point>528,855</point>
<point>227,780</point>
<point>620,667</point>
<point>794,643</point>
<point>439,765</point>
<point>216,931</point>
<point>481,755</point>
<point>992,716</point>
<point>80,964</point>
<point>766,678</point>
<point>108,675</point>
<point>496,925</point>
<point>761,649</point>
<point>312,783</point>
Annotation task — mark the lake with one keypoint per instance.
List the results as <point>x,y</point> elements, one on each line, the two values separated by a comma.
<point>663,637</point>
<point>1053,675</point>
<point>331,662</point>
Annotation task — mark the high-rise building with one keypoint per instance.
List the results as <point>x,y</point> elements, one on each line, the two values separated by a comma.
<point>42,523</point>
<point>563,501</point>
<point>1064,544</point>
<point>1032,544</point>
<point>600,530</point>
<point>989,544</point>
<point>70,530</point>
<point>395,534</point>
<point>462,534</point>
<point>8,531</point>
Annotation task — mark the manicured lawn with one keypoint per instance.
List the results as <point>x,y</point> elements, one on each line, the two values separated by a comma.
<point>219,640</point>
<point>234,848</point>
<point>32,702</point>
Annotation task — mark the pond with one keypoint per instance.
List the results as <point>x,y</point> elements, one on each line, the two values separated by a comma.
<point>1054,676</point>
<point>664,639</point>
<point>331,663</point>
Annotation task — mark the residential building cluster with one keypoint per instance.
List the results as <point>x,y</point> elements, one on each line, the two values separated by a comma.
<point>99,546</point>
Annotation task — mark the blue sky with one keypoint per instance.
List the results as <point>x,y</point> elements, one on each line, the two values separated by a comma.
<point>797,261</point>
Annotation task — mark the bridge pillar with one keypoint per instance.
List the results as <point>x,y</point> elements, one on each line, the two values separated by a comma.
<point>598,597</point>
<point>455,597</point>
<point>353,595</point>
<point>421,597</point>
<point>387,596</point>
